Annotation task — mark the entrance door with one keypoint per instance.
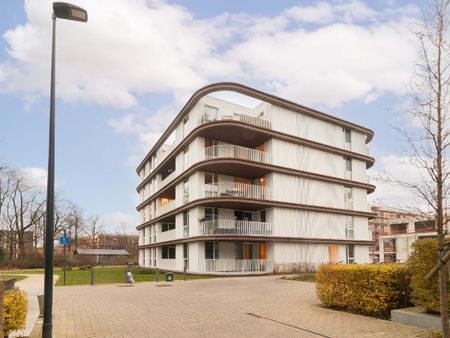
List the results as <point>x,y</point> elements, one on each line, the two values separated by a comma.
<point>333,253</point>
<point>262,251</point>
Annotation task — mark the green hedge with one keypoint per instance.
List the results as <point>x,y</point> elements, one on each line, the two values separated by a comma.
<point>372,290</point>
<point>15,305</point>
<point>425,292</point>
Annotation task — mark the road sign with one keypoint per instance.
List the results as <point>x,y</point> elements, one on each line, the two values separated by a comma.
<point>64,240</point>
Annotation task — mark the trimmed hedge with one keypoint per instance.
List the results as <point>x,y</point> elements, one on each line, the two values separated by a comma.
<point>425,292</point>
<point>15,306</point>
<point>372,290</point>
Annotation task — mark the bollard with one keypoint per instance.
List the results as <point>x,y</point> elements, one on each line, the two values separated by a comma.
<point>157,275</point>
<point>184,271</point>
<point>92,276</point>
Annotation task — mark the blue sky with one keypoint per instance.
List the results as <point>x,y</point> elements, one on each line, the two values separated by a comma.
<point>122,77</point>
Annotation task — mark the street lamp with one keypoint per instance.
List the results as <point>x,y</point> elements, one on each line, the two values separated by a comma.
<point>66,11</point>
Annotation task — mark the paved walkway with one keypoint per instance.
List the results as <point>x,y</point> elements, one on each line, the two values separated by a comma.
<point>33,285</point>
<point>231,307</point>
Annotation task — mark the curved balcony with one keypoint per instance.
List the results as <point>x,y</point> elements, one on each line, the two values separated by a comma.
<point>235,227</point>
<point>237,189</point>
<point>237,152</point>
<point>212,116</point>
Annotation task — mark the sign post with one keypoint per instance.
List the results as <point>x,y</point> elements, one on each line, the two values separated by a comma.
<point>64,242</point>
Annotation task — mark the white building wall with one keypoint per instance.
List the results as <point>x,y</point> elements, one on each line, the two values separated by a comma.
<point>299,157</point>
<point>309,224</point>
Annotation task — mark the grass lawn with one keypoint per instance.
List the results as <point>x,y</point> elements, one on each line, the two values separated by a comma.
<point>18,277</point>
<point>109,275</point>
<point>102,275</point>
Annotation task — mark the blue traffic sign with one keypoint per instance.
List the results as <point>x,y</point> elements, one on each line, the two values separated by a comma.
<point>64,240</point>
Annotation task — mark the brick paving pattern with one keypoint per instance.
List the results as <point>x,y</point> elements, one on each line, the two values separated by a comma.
<point>231,307</point>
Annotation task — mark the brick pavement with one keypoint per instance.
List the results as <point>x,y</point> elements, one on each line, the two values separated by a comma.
<point>231,307</point>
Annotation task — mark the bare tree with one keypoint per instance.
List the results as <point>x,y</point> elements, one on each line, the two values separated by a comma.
<point>24,210</point>
<point>428,144</point>
<point>94,230</point>
<point>76,225</point>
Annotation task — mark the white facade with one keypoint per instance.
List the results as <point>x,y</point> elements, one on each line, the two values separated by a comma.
<point>244,190</point>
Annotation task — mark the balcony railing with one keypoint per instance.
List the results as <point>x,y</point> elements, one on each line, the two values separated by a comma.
<point>243,118</point>
<point>238,265</point>
<point>236,227</point>
<point>235,189</point>
<point>238,152</point>
<point>401,232</point>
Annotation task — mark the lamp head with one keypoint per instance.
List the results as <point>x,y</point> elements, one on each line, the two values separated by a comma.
<point>64,10</point>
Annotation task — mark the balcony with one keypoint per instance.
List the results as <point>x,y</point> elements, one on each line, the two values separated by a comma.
<point>238,265</point>
<point>236,189</point>
<point>167,207</point>
<point>243,118</point>
<point>238,152</point>
<point>235,227</point>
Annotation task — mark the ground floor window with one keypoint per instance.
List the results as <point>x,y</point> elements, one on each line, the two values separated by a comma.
<point>350,254</point>
<point>211,250</point>
<point>168,252</point>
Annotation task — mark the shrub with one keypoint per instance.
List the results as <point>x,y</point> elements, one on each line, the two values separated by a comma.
<point>372,290</point>
<point>425,292</point>
<point>295,268</point>
<point>142,270</point>
<point>14,311</point>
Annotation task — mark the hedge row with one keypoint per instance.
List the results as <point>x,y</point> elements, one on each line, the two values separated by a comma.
<point>425,292</point>
<point>15,306</point>
<point>372,290</point>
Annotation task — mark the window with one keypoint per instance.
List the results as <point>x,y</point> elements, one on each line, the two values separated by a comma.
<point>168,252</point>
<point>186,190</point>
<point>186,223</point>
<point>211,178</point>
<point>262,216</point>
<point>167,226</point>
<point>186,255</point>
<point>348,164</point>
<point>210,113</point>
<point>348,135</point>
<point>348,194</point>
<point>211,214</point>
<point>211,250</point>
<point>240,215</point>
<point>349,227</point>
<point>350,254</point>
<point>185,157</point>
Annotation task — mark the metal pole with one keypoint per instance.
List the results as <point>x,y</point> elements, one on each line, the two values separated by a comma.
<point>92,276</point>
<point>64,244</point>
<point>48,279</point>
<point>157,275</point>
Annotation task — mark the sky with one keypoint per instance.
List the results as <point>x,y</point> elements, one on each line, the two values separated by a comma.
<point>125,74</point>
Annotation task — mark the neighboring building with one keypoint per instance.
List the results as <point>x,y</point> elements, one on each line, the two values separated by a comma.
<point>244,190</point>
<point>395,243</point>
<point>112,241</point>
<point>101,256</point>
<point>381,225</point>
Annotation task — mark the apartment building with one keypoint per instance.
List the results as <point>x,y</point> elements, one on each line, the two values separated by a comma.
<point>380,225</point>
<point>232,189</point>
<point>395,243</point>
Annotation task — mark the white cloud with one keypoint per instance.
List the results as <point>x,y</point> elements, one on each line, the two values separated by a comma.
<point>117,220</point>
<point>135,47</point>
<point>397,168</point>
<point>35,177</point>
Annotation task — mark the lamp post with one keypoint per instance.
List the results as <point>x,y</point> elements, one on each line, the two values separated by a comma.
<point>66,11</point>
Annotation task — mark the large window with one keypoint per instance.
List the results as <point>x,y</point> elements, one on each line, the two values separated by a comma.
<point>186,191</point>
<point>186,223</point>
<point>167,227</point>
<point>211,214</point>
<point>240,215</point>
<point>211,250</point>
<point>168,252</point>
